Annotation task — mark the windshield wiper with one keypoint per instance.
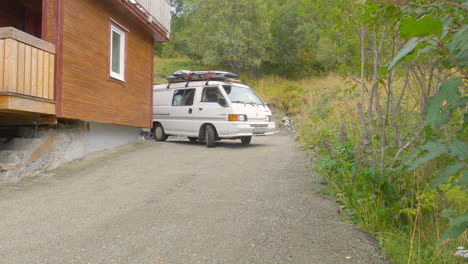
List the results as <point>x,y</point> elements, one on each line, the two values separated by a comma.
<point>238,102</point>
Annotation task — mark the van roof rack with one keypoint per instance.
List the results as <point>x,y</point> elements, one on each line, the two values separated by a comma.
<point>188,76</point>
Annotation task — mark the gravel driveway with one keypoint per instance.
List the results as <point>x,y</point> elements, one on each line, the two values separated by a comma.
<point>179,202</point>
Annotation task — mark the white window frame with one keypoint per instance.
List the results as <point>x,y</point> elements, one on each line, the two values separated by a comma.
<point>118,75</point>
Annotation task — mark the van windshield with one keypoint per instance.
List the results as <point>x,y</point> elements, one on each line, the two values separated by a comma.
<point>241,95</point>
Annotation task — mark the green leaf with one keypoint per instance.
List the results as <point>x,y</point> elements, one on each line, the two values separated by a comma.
<point>463,180</point>
<point>429,132</point>
<point>384,70</point>
<point>407,49</point>
<point>456,226</point>
<point>446,173</point>
<point>462,102</point>
<point>410,56</point>
<point>449,213</point>
<point>433,150</point>
<point>458,46</point>
<point>458,149</point>
<point>421,28</point>
<point>461,220</point>
<point>462,58</point>
<point>424,50</point>
<point>438,110</point>
<point>411,158</point>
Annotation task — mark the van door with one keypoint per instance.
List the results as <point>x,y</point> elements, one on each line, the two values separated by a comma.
<point>209,110</point>
<point>180,120</point>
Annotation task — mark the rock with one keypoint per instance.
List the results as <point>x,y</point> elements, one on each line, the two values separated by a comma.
<point>8,166</point>
<point>461,252</point>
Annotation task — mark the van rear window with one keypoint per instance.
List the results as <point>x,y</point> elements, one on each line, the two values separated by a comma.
<point>183,97</point>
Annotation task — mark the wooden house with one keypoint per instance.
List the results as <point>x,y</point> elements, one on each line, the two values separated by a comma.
<point>88,60</point>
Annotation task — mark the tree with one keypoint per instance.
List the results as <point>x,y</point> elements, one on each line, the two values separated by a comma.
<point>231,34</point>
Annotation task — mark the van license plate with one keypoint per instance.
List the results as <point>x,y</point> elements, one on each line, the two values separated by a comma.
<point>259,130</point>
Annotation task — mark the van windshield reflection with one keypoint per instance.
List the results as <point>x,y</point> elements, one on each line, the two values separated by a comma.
<point>241,95</point>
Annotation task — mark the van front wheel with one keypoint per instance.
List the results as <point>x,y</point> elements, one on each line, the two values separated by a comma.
<point>210,137</point>
<point>246,140</point>
<point>159,134</point>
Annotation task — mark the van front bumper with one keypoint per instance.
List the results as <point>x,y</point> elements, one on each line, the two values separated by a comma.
<point>241,129</point>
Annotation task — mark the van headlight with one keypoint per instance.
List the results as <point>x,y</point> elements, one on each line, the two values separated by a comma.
<point>241,118</point>
<point>268,118</point>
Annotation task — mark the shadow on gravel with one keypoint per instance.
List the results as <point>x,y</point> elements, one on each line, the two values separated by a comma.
<point>221,144</point>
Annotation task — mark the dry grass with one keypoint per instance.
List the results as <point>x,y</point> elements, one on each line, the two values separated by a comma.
<point>273,86</point>
<point>333,89</point>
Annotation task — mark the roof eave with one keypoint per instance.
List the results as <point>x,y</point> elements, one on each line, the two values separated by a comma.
<point>159,35</point>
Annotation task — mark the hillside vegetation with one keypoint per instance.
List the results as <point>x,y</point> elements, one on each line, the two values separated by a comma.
<point>378,92</point>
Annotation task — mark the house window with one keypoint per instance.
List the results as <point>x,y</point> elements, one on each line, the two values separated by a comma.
<point>117,52</point>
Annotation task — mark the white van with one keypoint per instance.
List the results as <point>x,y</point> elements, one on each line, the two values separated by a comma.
<point>209,110</point>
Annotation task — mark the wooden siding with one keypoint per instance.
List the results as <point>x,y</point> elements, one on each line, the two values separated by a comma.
<point>26,65</point>
<point>50,21</point>
<point>86,91</point>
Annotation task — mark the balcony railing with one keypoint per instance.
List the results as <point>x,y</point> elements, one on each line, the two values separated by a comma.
<point>26,72</point>
<point>158,11</point>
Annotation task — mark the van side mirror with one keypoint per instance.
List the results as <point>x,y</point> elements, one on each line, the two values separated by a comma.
<point>222,102</point>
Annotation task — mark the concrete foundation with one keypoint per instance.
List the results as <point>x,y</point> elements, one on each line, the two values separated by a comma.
<point>107,136</point>
<point>81,138</point>
<point>55,146</point>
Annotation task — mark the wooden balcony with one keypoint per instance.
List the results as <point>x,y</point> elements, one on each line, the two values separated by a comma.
<point>26,74</point>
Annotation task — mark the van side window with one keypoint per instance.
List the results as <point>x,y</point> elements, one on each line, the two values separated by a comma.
<point>211,95</point>
<point>183,97</point>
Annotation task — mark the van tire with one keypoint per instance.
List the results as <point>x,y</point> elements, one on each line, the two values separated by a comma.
<point>246,140</point>
<point>192,139</point>
<point>210,136</point>
<point>159,134</point>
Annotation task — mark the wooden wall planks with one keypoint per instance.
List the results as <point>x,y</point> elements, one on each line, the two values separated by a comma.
<point>87,93</point>
<point>51,21</point>
<point>2,64</point>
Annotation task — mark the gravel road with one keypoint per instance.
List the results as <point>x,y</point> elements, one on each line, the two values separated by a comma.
<point>179,202</point>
